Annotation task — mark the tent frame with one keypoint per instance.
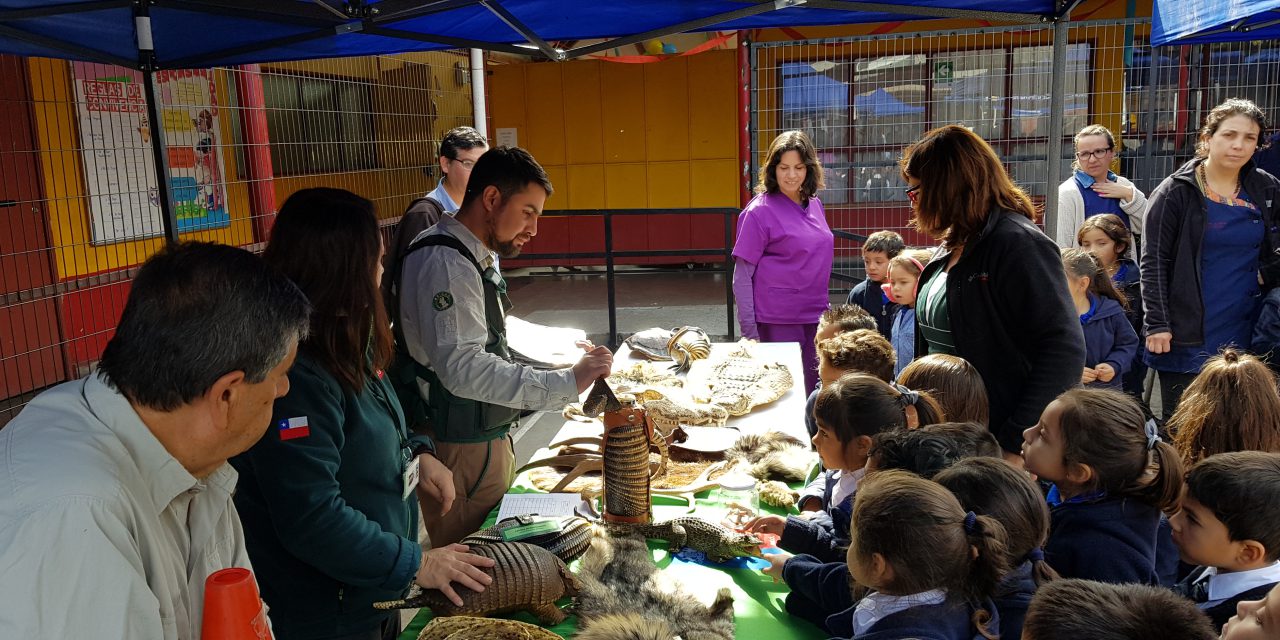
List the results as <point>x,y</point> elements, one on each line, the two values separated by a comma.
<point>377,19</point>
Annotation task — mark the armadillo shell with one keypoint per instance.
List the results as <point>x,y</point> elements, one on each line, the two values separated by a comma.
<point>626,472</point>
<point>473,628</point>
<point>524,576</point>
<point>568,544</point>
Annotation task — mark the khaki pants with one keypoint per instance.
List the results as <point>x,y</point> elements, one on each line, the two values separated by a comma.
<point>482,473</point>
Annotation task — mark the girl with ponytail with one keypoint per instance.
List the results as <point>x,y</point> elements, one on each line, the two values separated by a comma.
<point>930,565</point>
<point>849,413</point>
<point>993,487</point>
<point>1110,341</point>
<point>1232,405</point>
<point>1112,476</point>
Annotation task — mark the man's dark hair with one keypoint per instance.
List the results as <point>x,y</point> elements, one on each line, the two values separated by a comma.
<point>1242,489</point>
<point>196,312</point>
<point>1075,609</point>
<point>510,169</point>
<point>460,139</point>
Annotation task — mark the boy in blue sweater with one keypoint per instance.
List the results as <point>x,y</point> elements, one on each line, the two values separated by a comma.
<point>1229,525</point>
<point>877,251</point>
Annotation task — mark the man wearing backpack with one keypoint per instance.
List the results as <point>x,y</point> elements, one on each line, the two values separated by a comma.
<point>452,324</point>
<point>459,150</point>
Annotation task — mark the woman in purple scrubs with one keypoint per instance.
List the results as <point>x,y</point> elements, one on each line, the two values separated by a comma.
<point>784,250</point>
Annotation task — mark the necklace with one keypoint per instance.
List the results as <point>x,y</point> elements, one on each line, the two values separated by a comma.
<point>1203,180</point>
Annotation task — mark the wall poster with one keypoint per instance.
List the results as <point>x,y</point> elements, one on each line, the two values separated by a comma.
<point>115,137</point>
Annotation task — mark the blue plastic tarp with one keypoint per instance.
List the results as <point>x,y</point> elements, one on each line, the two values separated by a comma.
<point>1200,21</point>
<point>221,32</point>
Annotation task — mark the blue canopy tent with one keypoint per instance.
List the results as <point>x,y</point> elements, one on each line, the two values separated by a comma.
<point>1202,21</point>
<point>167,34</point>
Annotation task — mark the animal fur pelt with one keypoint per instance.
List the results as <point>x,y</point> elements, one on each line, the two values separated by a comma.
<point>777,494</point>
<point>625,597</point>
<point>772,455</point>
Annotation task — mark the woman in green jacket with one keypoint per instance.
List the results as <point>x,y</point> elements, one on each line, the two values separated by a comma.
<point>327,495</point>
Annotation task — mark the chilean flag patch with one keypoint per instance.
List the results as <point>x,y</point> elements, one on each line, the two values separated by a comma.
<point>294,428</point>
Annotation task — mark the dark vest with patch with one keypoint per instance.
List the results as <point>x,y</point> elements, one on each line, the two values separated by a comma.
<point>447,417</point>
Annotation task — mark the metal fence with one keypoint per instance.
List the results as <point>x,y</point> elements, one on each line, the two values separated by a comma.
<point>862,99</point>
<point>79,207</point>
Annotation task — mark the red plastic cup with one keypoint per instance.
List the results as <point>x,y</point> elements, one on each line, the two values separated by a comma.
<point>232,608</point>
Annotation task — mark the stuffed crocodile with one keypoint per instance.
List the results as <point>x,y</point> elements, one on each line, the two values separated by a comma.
<point>525,578</point>
<point>717,542</point>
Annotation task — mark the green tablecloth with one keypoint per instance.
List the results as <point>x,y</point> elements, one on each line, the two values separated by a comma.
<point>757,601</point>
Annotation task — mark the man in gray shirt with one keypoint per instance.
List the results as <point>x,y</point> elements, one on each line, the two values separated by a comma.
<point>115,492</point>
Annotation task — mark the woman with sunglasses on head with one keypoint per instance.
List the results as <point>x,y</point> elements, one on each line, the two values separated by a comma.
<point>1094,190</point>
<point>1211,237</point>
<point>783,252</point>
<point>994,293</point>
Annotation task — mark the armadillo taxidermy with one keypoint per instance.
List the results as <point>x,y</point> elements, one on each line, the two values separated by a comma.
<point>525,578</point>
<point>568,543</point>
<point>627,437</point>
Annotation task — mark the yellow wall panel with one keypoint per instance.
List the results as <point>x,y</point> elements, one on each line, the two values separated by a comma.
<point>666,100</point>
<point>713,105</point>
<point>668,185</point>
<point>715,183</point>
<point>584,142</point>
<point>506,100</point>
<point>623,112</point>
<point>624,186</point>
<point>559,184</point>
<point>544,108</point>
<point>585,187</point>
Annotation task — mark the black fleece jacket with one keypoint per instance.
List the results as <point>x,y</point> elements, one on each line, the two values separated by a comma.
<point>1013,319</point>
<point>1171,249</point>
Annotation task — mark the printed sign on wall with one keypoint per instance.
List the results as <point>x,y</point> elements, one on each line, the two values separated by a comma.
<point>116,138</point>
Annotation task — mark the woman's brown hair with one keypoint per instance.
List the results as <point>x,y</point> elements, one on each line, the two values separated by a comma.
<point>327,242</point>
<point>860,404</point>
<point>961,182</point>
<point>1111,226</point>
<point>1107,431</point>
<point>992,487</point>
<point>1229,109</point>
<point>1232,405</point>
<point>792,141</point>
<point>953,382</point>
<point>929,540</point>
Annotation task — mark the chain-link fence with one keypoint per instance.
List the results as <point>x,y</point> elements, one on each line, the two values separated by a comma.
<point>863,99</point>
<point>79,204</point>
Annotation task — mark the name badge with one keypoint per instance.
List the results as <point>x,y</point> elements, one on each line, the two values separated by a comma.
<point>410,478</point>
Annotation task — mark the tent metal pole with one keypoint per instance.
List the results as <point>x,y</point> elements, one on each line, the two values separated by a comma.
<point>1057,105</point>
<point>477,92</point>
<point>79,52</point>
<point>521,28</point>
<point>934,12</point>
<point>147,63</point>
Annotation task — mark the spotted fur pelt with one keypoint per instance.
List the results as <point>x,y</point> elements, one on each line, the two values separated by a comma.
<point>625,597</point>
<point>772,455</point>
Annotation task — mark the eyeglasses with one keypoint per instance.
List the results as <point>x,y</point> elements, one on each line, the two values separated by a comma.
<point>913,193</point>
<point>1096,154</point>
<point>466,164</point>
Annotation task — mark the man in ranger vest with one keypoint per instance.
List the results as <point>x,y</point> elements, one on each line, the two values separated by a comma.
<point>453,305</point>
